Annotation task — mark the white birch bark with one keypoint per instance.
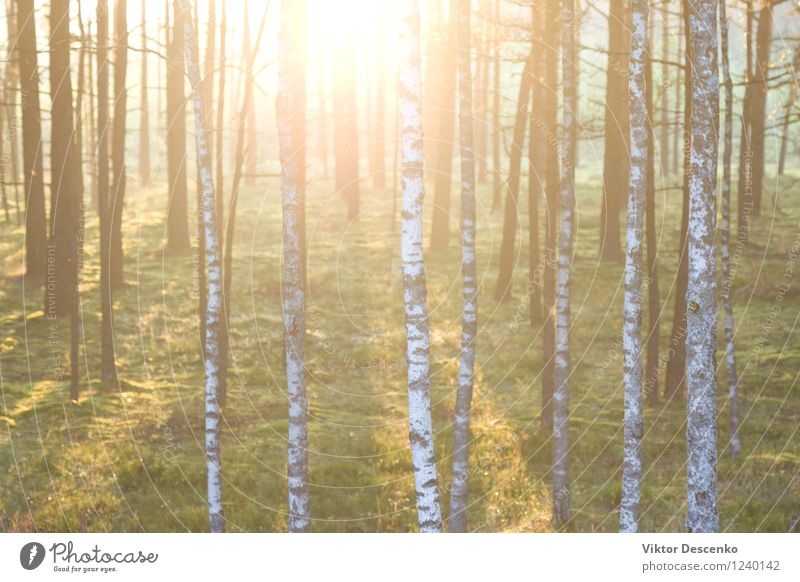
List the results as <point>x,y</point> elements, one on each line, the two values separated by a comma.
<point>461,437</point>
<point>423,455</point>
<point>561,493</point>
<point>701,430</point>
<point>725,231</point>
<point>290,109</point>
<point>214,264</point>
<point>634,289</point>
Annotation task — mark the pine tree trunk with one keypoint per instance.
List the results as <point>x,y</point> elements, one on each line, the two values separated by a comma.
<point>653,294</point>
<point>561,494</point>
<point>423,455</point>
<point>675,379</point>
<point>345,128</point>
<point>118,142</point>
<point>440,218</point>
<point>634,270</point>
<point>701,430</point>
<point>33,171</point>
<point>290,109</point>
<point>108,368</point>
<point>537,159</point>
<point>507,259</point>
<point>550,111</point>
<point>666,119</point>
<point>615,166</point>
<point>177,212</point>
<point>725,230</point>
<point>496,107</point>
<point>461,436</point>
<point>213,259</point>
<point>64,205</point>
<point>144,108</point>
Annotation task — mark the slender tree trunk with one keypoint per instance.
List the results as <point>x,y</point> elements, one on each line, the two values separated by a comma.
<point>461,437</point>
<point>423,455</point>
<point>220,129</point>
<point>634,270</point>
<point>511,218</point>
<point>144,108</point>
<point>378,149</point>
<point>345,129</point>
<point>108,368</point>
<point>615,165</point>
<point>550,110</point>
<point>92,124</point>
<point>118,142</point>
<point>676,354</point>
<point>745,188</point>
<point>33,171</point>
<point>208,69</point>
<point>561,494</point>
<point>290,108</point>
<point>252,139</point>
<point>440,219</point>
<point>64,169</point>
<point>177,213</point>
<point>537,159</point>
<point>677,134</point>
<point>701,429</point>
<point>653,293</point>
<point>213,258</point>
<point>725,229</point>
<point>666,118</point>
<point>496,106</point>
<point>759,103</point>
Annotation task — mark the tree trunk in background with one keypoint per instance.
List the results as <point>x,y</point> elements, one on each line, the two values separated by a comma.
<point>666,118</point>
<point>10,86</point>
<point>758,108</point>
<point>118,142</point>
<point>108,367</point>
<point>725,229</point>
<point>701,429</point>
<point>537,160</point>
<point>482,94</point>
<point>423,455</point>
<point>640,128</point>
<point>677,135</point>
<point>503,290</point>
<point>252,140</point>
<point>177,213</point>
<point>33,171</point>
<point>378,149</point>
<point>144,116</point>
<point>208,70</point>
<point>496,107</point>
<point>676,353</point>
<point>220,129</point>
<point>550,113</point>
<point>745,188</point>
<point>469,331</point>
<point>291,112</point>
<point>569,66</point>
<point>213,258</point>
<point>345,127</point>
<point>65,190</point>
<point>650,385</point>
<point>440,221</point>
<point>615,161</point>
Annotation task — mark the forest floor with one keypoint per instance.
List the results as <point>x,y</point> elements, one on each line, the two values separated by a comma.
<point>130,458</point>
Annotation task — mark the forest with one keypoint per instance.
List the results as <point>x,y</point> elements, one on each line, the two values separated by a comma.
<point>399,266</point>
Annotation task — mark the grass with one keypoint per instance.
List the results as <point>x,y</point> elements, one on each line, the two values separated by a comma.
<point>131,458</point>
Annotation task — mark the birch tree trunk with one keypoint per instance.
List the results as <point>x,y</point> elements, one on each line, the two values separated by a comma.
<point>725,232</point>
<point>214,305</point>
<point>561,494</point>
<point>423,455</point>
<point>458,496</point>
<point>701,431</point>
<point>290,113</point>
<point>634,287</point>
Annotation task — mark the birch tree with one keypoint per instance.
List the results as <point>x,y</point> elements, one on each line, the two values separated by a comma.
<point>634,288</point>
<point>290,113</point>
<point>213,262</point>
<point>458,496</point>
<point>423,455</point>
<point>701,432</point>
<point>561,494</point>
